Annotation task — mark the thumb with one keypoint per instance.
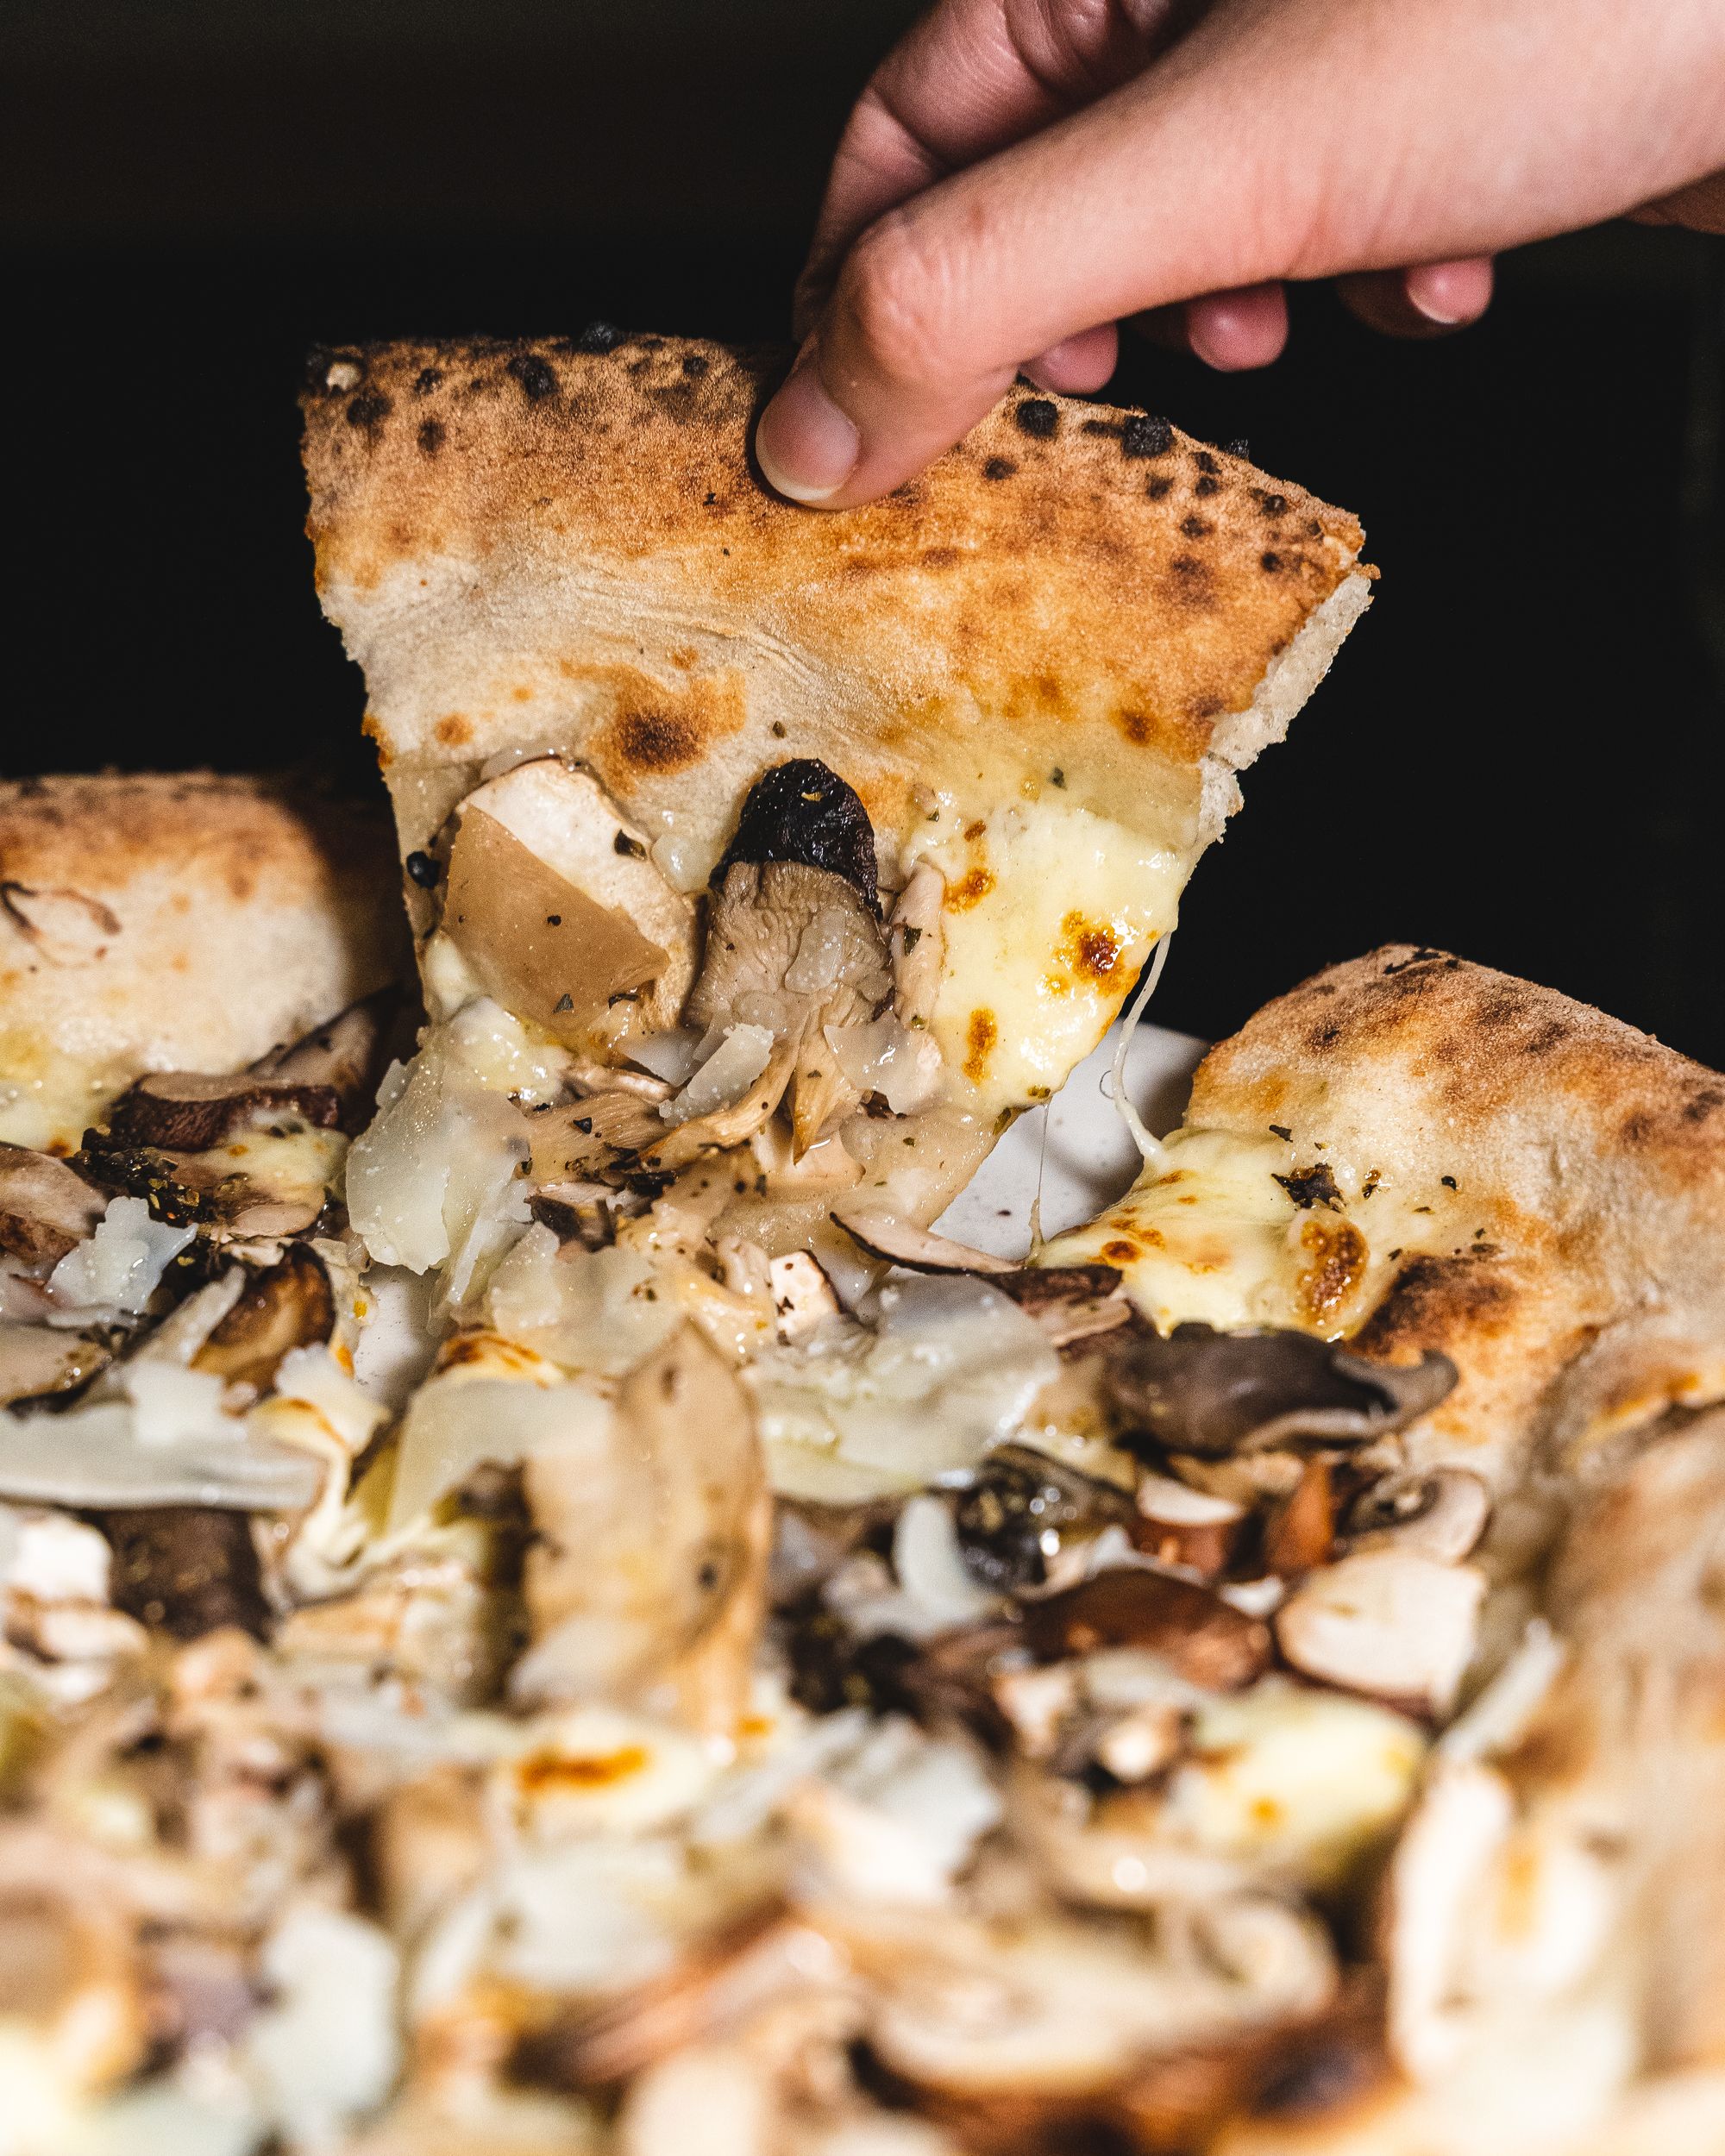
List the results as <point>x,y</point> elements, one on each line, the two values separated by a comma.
<point>1194,178</point>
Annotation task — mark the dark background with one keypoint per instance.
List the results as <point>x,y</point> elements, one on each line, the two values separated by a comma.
<point>1518,755</point>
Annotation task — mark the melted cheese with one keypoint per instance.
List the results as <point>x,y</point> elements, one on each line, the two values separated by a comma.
<point>1231,1230</point>
<point>1048,915</point>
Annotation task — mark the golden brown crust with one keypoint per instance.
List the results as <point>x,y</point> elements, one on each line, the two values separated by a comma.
<point>534,544</point>
<point>1553,1183</point>
<point>174,921</point>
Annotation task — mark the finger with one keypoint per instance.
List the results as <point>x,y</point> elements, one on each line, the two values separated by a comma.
<point>1425,302</point>
<point>1080,366</point>
<point>1188,180</point>
<point>1233,331</point>
<point>972,77</point>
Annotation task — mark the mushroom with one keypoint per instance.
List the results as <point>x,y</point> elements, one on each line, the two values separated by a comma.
<point>1389,1622</point>
<point>914,939</point>
<point>557,906</point>
<point>898,1242</point>
<point>289,1305</point>
<point>185,1570</point>
<point>793,936</point>
<point>1203,1637</point>
<point>1071,1303</point>
<point>1213,1393</point>
<point>581,1139</point>
<point>46,1208</point>
<point>1301,1532</point>
<point>1023,1512</point>
<point>1440,1514</point>
<point>347,1055</point>
<point>733,1123</point>
<point>1178,1525</point>
<point>39,1359</point>
<point>683,1527</point>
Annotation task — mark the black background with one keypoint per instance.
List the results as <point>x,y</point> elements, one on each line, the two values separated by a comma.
<point>1518,755</point>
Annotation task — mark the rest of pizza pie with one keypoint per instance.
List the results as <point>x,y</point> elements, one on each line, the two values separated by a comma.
<point>549,1611</point>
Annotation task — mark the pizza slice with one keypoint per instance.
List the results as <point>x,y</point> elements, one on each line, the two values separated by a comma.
<point>823,844</point>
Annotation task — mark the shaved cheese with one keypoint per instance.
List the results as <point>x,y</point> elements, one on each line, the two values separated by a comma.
<point>743,1053</point>
<point>884,1055</point>
<point>590,1310</point>
<point>458,1422</point>
<point>932,1571</point>
<point>325,2049</point>
<point>951,1370</point>
<point>121,1265</point>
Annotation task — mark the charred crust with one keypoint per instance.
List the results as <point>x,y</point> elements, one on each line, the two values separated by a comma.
<point>431,436</point>
<point>1038,416</point>
<point>538,377</point>
<point>426,380</point>
<point>999,468</point>
<point>1145,435</point>
<point>1314,1186</point>
<point>1160,487</point>
<point>804,811</point>
<point>1239,447</point>
<point>1206,485</point>
<point>423,869</point>
<point>368,410</point>
<point>1205,462</point>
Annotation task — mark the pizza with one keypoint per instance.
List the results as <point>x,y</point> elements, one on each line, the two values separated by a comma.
<point>550,1608</point>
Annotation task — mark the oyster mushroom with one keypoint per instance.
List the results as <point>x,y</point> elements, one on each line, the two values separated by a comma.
<point>897,1242</point>
<point>1388,1622</point>
<point>1069,1302</point>
<point>915,939</point>
<point>1440,1514</point>
<point>46,1209</point>
<point>1213,1393</point>
<point>38,1359</point>
<point>793,935</point>
<point>1023,1513</point>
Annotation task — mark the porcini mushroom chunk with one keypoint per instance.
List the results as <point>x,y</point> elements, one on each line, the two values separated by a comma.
<point>1440,1516</point>
<point>1392,1623</point>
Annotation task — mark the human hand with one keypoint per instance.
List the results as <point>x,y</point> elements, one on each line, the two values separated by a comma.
<point>1022,175</point>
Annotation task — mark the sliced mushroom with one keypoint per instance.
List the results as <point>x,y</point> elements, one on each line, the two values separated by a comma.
<point>186,1111</point>
<point>1071,1303</point>
<point>1023,1512</point>
<point>1178,1525</point>
<point>581,1139</point>
<point>683,1527</point>
<point>1300,1533</point>
<point>915,939</point>
<point>1441,1514</point>
<point>1200,1637</point>
<point>256,1184</point>
<point>186,1570</point>
<point>898,1242</point>
<point>287,1305</point>
<point>1390,1623</point>
<point>560,910</point>
<point>45,1208</point>
<point>347,1055</point>
<point>732,1125</point>
<point>38,1359</point>
<point>1213,1393</point>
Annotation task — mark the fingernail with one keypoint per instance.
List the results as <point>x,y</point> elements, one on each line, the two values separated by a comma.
<point>806,447</point>
<point>1448,294</point>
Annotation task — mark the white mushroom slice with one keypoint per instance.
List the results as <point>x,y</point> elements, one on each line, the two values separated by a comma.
<point>556,904</point>
<point>1188,1527</point>
<point>1442,1515</point>
<point>898,1242</point>
<point>1399,1626</point>
<point>802,1294</point>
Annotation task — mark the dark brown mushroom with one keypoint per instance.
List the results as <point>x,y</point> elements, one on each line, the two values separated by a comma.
<point>46,1208</point>
<point>184,1112</point>
<point>1022,1510</point>
<point>204,1190</point>
<point>186,1570</point>
<point>347,1056</point>
<point>1215,1393</point>
<point>802,811</point>
<point>1205,1639</point>
<point>1300,1533</point>
<point>287,1306</point>
<point>1071,1303</point>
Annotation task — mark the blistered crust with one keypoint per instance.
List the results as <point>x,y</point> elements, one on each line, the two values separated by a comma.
<point>1558,1180</point>
<point>542,543</point>
<point>174,921</point>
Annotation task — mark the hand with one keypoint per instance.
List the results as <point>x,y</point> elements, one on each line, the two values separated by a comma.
<point>1022,175</point>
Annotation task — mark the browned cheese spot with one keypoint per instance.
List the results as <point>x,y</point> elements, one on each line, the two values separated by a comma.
<point>983,1033</point>
<point>455,729</point>
<point>1336,1260</point>
<point>545,1772</point>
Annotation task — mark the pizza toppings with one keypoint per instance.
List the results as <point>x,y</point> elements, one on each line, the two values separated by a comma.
<point>1386,1621</point>
<point>802,812</point>
<point>45,1209</point>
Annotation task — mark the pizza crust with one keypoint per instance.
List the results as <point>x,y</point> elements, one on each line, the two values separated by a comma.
<point>186,921</point>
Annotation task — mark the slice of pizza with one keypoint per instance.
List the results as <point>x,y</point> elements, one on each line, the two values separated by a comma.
<point>820,844</point>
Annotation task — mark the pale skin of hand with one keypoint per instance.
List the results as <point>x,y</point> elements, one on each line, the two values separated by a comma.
<point>1021,176</point>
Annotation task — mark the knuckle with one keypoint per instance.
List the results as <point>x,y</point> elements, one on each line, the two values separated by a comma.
<point>896,290</point>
